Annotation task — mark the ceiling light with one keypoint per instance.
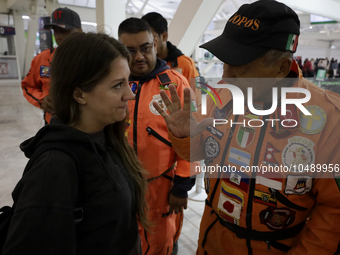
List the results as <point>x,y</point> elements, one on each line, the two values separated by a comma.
<point>322,32</point>
<point>25,17</point>
<point>89,23</point>
<point>333,47</point>
<point>311,27</point>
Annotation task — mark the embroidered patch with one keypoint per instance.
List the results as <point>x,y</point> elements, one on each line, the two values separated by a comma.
<point>298,185</point>
<point>245,136</point>
<point>277,218</point>
<point>298,154</point>
<point>264,198</point>
<point>193,106</point>
<point>313,124</point>
<point>249,115</point>
<point>287,119</point>
<point>230,204</point>
<point>219,134</point>
<point>163,78</point>
<point>278,132</point>
<point>133,86</point>
<point>159,100</point>
<point>166,86</point>
<point>127,125</point>
<point>238,157</point>
<point>269,179</point>
<point>269,158</point>
<point>238,179</point>
<point>211,147</point>
<point>45,71</point>
<point>223,113</point>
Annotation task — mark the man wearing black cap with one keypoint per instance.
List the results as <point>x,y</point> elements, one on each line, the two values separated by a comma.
<point>36,84</point>
<point>276,186</point>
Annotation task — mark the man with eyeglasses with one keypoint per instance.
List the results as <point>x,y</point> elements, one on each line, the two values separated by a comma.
<point>169,52</point>
<point>169,175</point>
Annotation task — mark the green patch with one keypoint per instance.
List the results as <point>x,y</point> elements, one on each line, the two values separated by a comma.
<point>166,86</point>
<point>337,179</point>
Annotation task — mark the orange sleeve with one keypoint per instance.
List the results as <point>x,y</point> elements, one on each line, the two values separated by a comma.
<point>32,85</point>
<point>188,67</point>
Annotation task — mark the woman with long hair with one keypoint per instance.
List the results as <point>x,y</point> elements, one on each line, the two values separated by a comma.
<point>83,187</point>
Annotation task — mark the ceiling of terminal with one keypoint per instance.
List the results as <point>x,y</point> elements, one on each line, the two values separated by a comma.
<point>320,35</point>
<point>320,32</point>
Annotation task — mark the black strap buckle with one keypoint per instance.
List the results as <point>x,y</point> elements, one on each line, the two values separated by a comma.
<point>78,214</point>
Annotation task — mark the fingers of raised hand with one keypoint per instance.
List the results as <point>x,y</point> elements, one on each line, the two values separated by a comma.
<point>167,101</point>
<point>175,98</point>
<point>187,99</point>
<point>159,109</point>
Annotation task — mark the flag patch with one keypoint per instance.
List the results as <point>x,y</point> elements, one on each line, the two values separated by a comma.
<point>238,179</point>
<point>230,204</point>
<point>245,136</point>
<point>269,158</point>
<point>239,157</point>
<point>298,185</point>
<point>271,180</point>
<point>264,198</point>
<point>292,42</point>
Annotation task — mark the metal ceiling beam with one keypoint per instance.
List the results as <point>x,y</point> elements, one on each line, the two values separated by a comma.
<point>190,22</point>
<point>143,7</point>
<point>325,8</point>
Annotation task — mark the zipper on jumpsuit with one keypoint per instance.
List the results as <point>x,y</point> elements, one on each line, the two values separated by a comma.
<point>135,113</point>
<point>158,136</point>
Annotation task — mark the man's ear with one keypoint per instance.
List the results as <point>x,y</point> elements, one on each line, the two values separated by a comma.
<point>155,42</point>
<point>284,65</point>
<point>79,97</point>
<point>164,36</point>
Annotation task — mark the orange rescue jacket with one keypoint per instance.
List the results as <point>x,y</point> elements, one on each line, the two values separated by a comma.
<point>285,212</point>
<point>36,83</point>
<point>147,133</point>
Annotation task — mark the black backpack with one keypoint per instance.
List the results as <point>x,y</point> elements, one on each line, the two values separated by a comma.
<point>6,212</point>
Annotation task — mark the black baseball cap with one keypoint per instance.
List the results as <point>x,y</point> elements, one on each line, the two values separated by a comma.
<point>64,18</point>
<point>255,29</point>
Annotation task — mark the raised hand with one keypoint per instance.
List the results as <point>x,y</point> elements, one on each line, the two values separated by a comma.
<point>180,121</point>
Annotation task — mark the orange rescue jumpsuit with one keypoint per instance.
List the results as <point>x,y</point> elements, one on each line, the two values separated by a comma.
<point>36,84</point>
<point>147,133</point>
<point>259,213</point>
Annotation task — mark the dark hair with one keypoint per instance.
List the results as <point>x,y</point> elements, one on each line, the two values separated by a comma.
<point>156,21</point>
<point>133,26</point>
<point>82,61</point>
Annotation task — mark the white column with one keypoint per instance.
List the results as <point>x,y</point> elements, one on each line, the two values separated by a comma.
<point>31,37</point>
<point>20,40</point>
<point>190,22</point>
<point>109,14</point>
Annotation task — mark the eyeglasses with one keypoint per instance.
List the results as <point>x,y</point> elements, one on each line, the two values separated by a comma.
<point>143,50</point>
